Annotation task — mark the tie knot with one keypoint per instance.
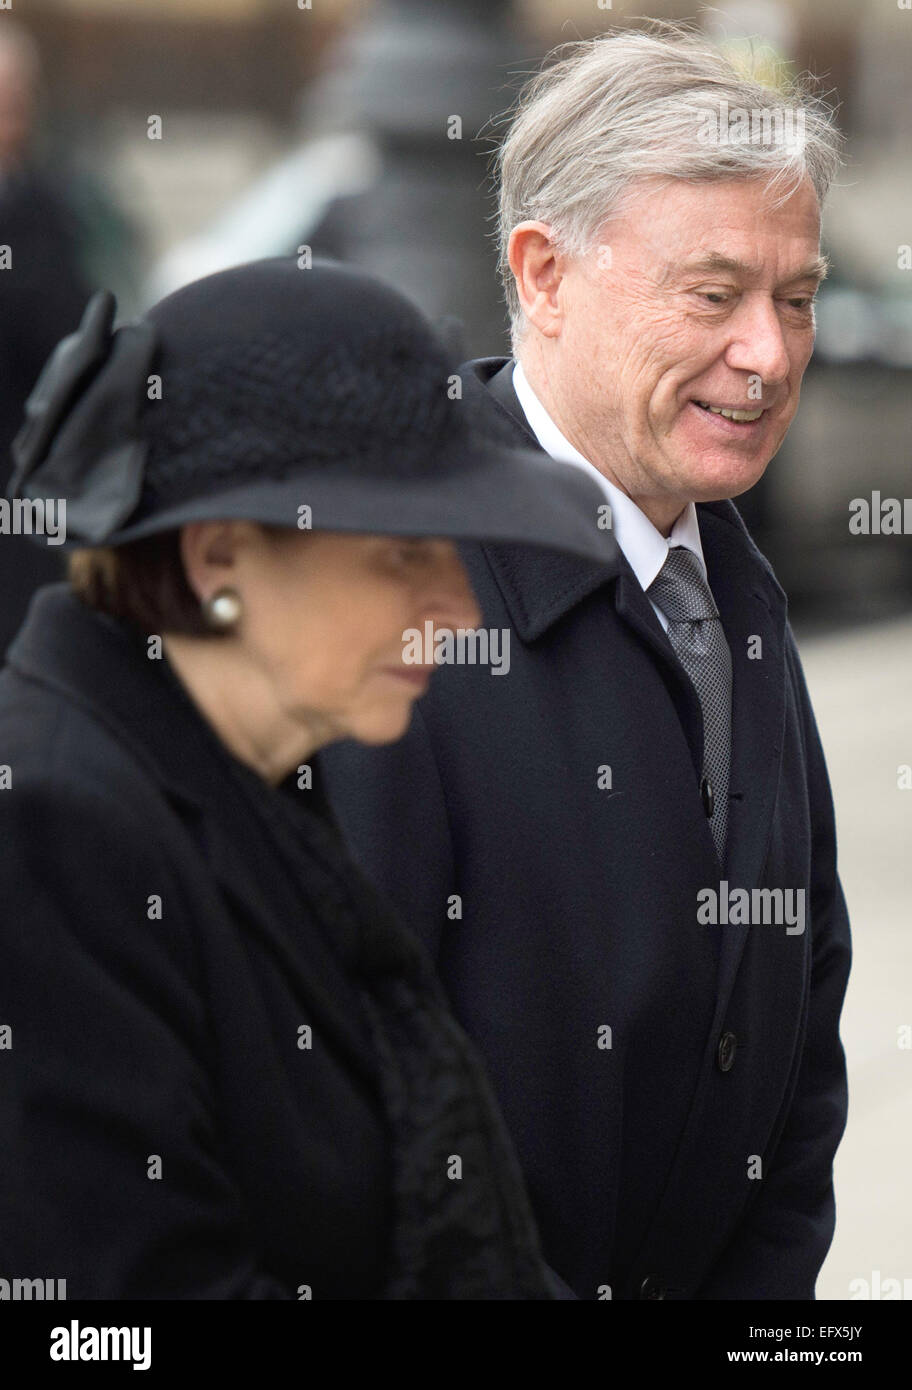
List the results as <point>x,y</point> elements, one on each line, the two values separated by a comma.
<point>680,590</point>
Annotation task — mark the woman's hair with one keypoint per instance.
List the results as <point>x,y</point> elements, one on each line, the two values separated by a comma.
<point>143,582</point>
<point>608,111</point>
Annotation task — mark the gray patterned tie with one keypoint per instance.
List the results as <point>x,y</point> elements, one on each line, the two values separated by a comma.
<point>695,632</point>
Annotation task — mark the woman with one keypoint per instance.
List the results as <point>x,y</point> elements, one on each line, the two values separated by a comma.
<point>231,1073</point>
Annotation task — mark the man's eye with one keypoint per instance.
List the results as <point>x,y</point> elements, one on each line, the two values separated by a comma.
<point>803,301</point>
<point>714,296</point>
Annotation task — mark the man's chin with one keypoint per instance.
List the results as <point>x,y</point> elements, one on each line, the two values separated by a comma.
<point>714,478</point>
<point>719,457</point>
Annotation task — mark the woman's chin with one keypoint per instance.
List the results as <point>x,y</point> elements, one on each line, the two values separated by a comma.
<point>380,726</point>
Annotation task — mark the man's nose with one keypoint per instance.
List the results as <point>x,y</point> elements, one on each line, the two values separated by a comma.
<point>759,346</point>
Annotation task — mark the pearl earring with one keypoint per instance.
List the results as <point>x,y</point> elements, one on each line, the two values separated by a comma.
<point>223,609</point>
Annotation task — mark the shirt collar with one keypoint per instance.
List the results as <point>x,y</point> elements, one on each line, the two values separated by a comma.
<point>644,547</point>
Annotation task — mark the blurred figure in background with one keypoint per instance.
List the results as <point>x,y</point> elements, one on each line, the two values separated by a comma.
<point>42,293</point>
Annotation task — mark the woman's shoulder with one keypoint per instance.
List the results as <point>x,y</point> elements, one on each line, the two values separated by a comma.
<point>54,746</point>
<point>87,839</point>
<point>75,797</point>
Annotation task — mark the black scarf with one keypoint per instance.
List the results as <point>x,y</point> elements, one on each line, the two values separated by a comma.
<point>463,1228</point>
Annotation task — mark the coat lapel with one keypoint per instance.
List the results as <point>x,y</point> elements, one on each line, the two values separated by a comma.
<point>753,609</point>
<point>636,611</point>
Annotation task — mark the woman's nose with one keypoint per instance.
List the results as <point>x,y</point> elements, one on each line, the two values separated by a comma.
<point>449,600</point>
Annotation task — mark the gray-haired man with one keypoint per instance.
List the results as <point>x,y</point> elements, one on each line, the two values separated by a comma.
<point>623,855</point>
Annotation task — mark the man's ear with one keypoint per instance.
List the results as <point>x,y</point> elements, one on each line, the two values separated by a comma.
<point>538,268</point>
<point>209,554</point>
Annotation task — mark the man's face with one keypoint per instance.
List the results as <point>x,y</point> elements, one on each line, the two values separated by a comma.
<point>705,300</point>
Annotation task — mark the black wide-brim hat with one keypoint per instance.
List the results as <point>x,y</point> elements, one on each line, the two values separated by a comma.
<point>316,398</point>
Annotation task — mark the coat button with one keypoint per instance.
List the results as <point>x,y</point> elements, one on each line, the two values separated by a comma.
<point>651,1288</point>
<point>725,1053</point>
<point>707,794</point>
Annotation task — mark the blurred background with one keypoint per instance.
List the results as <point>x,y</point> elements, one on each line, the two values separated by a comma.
<point>146,142</point>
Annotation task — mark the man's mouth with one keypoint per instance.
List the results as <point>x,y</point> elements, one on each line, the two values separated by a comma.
<point>736,413</point>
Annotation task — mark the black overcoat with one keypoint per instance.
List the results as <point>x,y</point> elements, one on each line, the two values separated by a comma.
<point>687,1153</point>
<point>195,1099</point>
<point>136,1036</point>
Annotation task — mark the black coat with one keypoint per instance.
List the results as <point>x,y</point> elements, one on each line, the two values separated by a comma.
<point>170,929</point>
<point>579,910</point>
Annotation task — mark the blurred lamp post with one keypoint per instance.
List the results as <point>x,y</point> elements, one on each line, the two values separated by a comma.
<point>421,78</point>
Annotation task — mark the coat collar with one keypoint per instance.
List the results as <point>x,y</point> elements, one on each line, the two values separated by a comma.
<point>539,586</point>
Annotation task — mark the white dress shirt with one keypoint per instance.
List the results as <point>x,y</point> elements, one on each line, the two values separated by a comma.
<point>644,547</point>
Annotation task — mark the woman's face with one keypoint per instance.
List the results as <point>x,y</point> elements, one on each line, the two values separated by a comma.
<point>324,616</point>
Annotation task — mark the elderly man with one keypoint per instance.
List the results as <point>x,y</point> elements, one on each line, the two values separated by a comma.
<point>622,852</point>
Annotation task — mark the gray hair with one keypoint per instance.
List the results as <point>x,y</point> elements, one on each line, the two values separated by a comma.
<point>631,104</point>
